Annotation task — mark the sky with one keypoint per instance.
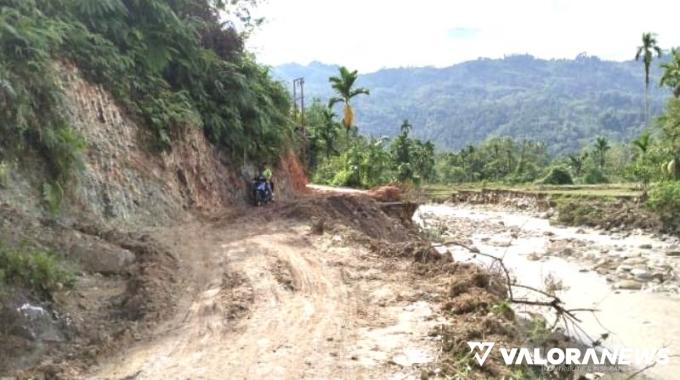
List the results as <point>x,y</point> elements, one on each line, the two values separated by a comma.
<point>372,34</point>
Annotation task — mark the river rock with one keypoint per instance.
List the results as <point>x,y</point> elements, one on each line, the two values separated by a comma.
<point>634,261</point>
<point>645,246</point>
<point>624,268</point>
<point>580,231</point>
<point>533,256</point>
<point>590,255</point>
<point>628,285</point>
<point>673,253</point>
<point>641,274</point>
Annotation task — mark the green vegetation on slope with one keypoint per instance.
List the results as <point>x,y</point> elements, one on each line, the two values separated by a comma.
<point>171,63</point>
<point>41,271</point>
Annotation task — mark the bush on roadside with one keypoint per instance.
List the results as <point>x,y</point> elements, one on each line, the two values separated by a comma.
<point>38,270</point>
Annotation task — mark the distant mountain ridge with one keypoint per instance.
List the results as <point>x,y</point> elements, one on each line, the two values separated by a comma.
<point>562,102</point>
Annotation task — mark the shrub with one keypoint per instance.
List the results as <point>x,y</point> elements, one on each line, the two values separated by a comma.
<point>664,200</point>
<point>4,174</point>
<point>558,176</point>
<point>40,271</point>
<point>594,176</point>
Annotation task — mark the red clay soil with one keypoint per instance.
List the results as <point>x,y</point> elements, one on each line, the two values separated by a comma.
<point>388,193</point>
<point>292,168</point>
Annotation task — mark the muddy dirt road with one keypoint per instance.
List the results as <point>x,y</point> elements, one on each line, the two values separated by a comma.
<point>263,297</point>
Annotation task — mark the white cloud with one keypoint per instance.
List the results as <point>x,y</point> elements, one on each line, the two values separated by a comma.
<point>371,34</point>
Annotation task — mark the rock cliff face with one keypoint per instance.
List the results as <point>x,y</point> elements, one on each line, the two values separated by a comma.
<point>124,182</point>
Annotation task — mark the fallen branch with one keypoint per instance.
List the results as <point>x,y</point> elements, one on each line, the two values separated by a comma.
<point>567,316</point>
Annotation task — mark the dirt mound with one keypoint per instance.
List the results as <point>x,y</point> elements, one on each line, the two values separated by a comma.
<point>237,295</point>
<point>389,193</point>
<point>419,251</point>
<point>359,213</point>
<point>126,282</point>
<point>471,298</point>
<point>475,303</point>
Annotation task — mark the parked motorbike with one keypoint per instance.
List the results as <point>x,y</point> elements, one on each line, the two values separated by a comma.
<point>261,191</point>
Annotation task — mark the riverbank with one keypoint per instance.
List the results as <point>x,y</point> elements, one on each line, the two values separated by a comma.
<point>629,276</point>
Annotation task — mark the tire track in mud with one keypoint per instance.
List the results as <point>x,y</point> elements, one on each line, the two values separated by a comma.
<point>275,302</point>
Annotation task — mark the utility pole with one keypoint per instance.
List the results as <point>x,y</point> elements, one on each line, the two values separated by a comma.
<point>299,105</point>
<point>299,98</point>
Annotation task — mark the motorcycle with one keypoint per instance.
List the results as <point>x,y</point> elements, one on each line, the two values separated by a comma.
<point>261,192</point>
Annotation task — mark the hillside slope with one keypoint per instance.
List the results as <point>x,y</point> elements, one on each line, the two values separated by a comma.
<point>564,103</point>
<point>125,280</point>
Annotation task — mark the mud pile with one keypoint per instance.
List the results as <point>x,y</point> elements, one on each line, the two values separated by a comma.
<point>358,213</point>
<point>126,283</point>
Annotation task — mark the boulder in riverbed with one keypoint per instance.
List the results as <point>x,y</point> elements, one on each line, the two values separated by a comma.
<point>673,253</point>
<point>624,268</point>
<point>634,261</point>
<point>628,285</point>
<point>641,274</point>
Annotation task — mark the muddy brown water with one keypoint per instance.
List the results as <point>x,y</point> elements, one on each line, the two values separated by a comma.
<point>640,319</point>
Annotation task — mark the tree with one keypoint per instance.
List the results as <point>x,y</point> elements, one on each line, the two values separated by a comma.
<point>643,142</point>
<point>576,162</point>
<point>401,153</point>
<point>671,73</point>
<point>343,86</point>
<point>422,159</point>
<point>646,53</point>
<point>601,148</point>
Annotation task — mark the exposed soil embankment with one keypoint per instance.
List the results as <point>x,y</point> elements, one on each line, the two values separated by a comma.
<point>125,283</point>
<point>107,228</point>
<point>509,198</point>
<point>607,213</point>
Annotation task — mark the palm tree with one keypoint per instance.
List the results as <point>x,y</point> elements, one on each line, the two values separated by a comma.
<point>601,148</point>
<point>643,142</point>
<point>576,163</point>
<point>646,53</point>
<point>671,73</point>
<point>343,87</point>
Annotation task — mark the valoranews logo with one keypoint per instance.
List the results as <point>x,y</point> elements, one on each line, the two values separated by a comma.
<point>570,356</point>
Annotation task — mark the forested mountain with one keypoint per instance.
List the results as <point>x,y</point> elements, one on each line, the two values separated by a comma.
<point>564,103</point>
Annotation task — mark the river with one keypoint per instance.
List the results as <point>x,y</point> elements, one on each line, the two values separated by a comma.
<point>630,277</point>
